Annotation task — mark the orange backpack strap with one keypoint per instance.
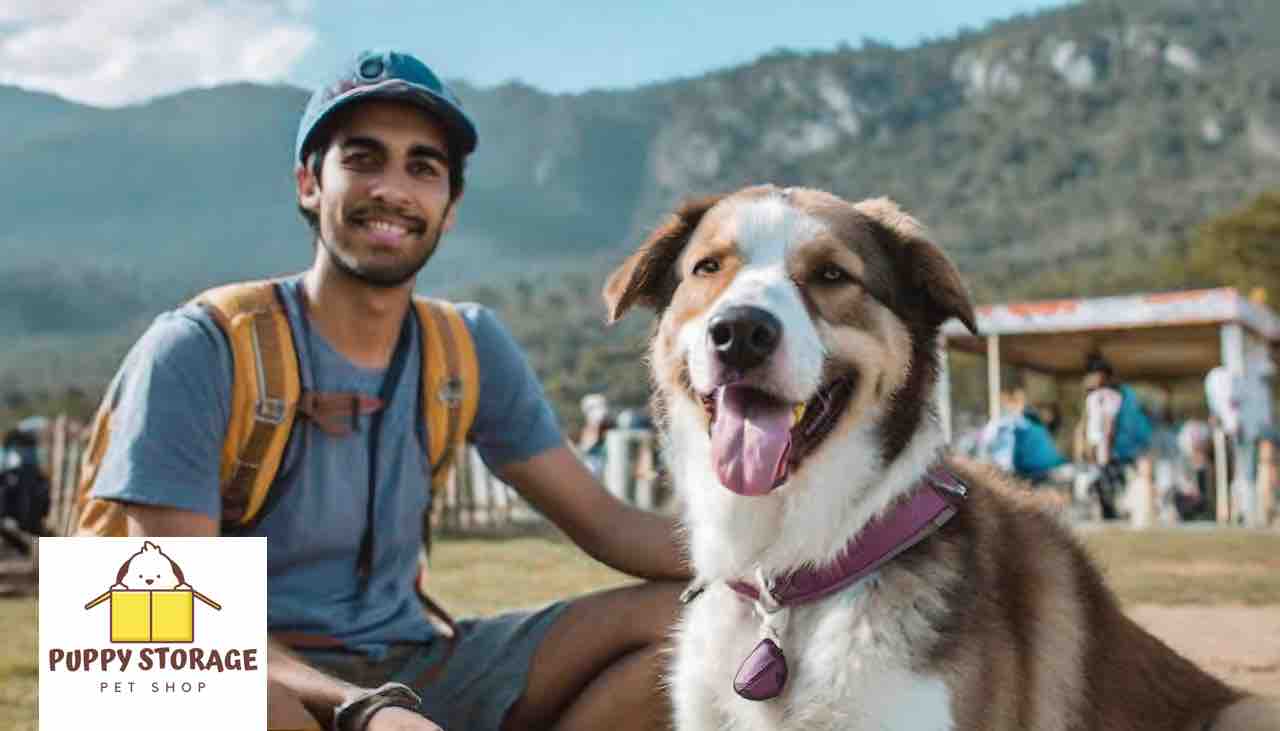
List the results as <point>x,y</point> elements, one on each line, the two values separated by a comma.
<point>95,517</point>
<point>450,383</point>
<point>265,389</point>
<point>450,392</point>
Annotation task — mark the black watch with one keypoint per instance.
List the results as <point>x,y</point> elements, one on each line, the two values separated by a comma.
<point>354,715</point>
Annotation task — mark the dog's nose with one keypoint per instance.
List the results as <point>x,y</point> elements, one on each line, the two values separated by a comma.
<point>743,336</point>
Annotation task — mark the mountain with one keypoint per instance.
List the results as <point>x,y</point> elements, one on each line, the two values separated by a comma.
<point>1079,135</point>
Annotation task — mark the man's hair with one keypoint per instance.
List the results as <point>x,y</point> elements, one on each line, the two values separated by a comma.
<point>1095,363</point>
<point>313,158</point>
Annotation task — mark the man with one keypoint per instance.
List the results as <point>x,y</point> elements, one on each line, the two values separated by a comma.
<point>380,155</point>
<point>1116,430</point>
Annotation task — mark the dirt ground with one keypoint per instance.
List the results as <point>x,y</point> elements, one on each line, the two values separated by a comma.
<point>1239,644</point>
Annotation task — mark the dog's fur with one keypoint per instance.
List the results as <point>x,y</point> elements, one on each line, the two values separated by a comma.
<point>997,621</point>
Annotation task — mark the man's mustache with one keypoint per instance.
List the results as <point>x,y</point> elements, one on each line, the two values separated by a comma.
<point>364,212</point>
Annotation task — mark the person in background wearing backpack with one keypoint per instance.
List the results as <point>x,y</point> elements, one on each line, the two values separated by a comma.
<point>1117,430</point>
<point>379,171</point>
<point>1021,443</point>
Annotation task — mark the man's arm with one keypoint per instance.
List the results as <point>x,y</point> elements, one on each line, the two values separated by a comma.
<point>319,693</point>
<point>637,542</point>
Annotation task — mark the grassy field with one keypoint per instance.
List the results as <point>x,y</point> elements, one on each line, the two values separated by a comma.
<point>1193,566</point>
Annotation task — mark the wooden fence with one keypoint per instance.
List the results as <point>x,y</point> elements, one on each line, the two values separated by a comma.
<point>473,501</point>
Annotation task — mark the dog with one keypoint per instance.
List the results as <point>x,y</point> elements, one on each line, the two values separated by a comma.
<point>849,574</point>
<point>150,569</point>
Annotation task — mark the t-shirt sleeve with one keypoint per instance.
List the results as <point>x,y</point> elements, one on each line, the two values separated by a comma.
<point>170,418</point>
<point>513,419</point>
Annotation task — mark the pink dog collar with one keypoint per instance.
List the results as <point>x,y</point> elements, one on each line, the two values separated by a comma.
<point>935,500</point>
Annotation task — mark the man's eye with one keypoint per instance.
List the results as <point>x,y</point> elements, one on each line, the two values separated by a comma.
<point>424,170</point>
<point>706,266</point>
<point>832,274</point>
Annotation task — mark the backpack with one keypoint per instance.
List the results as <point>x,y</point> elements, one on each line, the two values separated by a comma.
<point>266,395</point>
<point>1131,433</point>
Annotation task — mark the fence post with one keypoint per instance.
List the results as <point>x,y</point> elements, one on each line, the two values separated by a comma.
<point>1266,483</point>
<point>70,480</point>
<point>1221,488</point>
<point>1143,502</point>
<point>617,446</point>
<point>481,489</point>
<point>57,466</point>
<point>645,472</point>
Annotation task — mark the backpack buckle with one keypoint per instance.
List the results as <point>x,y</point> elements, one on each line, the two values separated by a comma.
<point>270,410</point>
<point>450,392</point>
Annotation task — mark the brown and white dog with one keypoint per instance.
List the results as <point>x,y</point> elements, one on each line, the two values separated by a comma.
<point>794,359</point>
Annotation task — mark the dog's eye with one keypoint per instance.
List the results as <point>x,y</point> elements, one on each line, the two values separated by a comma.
<point>706,266</point>
<point>832,274</point>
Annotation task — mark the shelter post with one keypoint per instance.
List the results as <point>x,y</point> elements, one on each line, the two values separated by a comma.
<point>1232,336</point>
<point>993,376</point>
<point>943,389</point>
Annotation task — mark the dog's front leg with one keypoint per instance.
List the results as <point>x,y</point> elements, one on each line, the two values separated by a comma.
<point>692,673</point>
<point>693,702</point>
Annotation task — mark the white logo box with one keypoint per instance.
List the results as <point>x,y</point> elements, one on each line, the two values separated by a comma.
<point>100,666</point>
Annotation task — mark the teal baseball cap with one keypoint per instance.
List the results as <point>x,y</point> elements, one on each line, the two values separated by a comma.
<point>385,74</point>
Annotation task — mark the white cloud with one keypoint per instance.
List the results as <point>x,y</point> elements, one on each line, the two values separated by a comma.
<point>124,51</point>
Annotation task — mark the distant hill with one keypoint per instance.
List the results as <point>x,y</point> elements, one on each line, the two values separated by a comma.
<point>1045,141</point>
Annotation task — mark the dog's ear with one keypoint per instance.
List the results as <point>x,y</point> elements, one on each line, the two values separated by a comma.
<point>927,268</point>
<point>646,277</point>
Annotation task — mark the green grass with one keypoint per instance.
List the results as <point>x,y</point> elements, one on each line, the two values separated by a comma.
<point>1189,566</point>
<point>18,664</point>
<point>481,576</point>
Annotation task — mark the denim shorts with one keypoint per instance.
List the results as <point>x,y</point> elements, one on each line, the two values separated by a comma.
<point>467,687</point>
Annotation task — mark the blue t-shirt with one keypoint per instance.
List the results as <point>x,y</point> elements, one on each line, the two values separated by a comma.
<point>166,442</point>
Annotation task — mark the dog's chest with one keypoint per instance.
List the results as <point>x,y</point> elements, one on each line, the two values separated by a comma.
<point>849,666</point>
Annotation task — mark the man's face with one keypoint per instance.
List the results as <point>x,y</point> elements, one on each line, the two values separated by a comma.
<point>1094,379</point>
<point>383,195</point>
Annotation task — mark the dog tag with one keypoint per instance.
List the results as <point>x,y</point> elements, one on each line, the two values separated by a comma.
<point>763,674</point>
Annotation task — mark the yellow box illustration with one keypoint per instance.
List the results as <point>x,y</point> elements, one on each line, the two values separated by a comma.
<point>152,615</point>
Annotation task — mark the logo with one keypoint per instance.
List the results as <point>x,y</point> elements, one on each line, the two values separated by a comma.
<point>151,600</point>
<point>142,632</point>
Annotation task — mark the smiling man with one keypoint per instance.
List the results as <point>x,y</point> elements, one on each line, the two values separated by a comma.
<point>380,158</point>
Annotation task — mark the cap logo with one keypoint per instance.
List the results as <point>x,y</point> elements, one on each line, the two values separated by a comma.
<point>372,68</point>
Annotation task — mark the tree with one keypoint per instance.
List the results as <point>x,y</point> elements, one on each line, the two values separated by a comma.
<point>1241,248</point>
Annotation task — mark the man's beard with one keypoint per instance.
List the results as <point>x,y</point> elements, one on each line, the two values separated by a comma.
<point>388,277</point>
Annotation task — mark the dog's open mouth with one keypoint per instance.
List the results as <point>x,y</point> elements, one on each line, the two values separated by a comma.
<point>757,440</point>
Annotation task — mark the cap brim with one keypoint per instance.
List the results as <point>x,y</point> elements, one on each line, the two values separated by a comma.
<point>458,127</point>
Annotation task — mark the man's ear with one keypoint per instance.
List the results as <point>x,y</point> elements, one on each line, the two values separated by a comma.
<point>646,277</point>
<point>926,267</point>
<point>451,215</point>
<point>308,188</point>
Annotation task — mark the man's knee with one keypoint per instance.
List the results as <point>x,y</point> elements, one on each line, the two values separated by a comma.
<point>285,710</point>
<point>659,606</point>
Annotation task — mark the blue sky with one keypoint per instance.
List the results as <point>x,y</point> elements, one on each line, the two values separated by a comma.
<point>573,45</point>
<point>118,52</point>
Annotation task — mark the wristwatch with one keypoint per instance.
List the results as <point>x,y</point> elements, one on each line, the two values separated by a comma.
<point>354,715</point>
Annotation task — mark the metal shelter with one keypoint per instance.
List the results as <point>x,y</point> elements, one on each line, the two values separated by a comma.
<point>1145,337</point>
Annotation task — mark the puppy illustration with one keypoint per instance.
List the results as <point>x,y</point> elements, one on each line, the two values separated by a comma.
<point>150,568</point>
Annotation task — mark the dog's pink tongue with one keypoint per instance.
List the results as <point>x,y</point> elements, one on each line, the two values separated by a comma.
<point>750,440</point>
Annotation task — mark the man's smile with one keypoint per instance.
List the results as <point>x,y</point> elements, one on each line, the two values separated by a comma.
<point>389,228</point>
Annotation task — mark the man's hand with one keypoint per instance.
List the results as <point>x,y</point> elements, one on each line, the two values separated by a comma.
<point>399,719</point>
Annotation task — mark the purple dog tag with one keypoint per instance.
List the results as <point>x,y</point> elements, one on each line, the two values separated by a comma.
<point>763,674</point>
